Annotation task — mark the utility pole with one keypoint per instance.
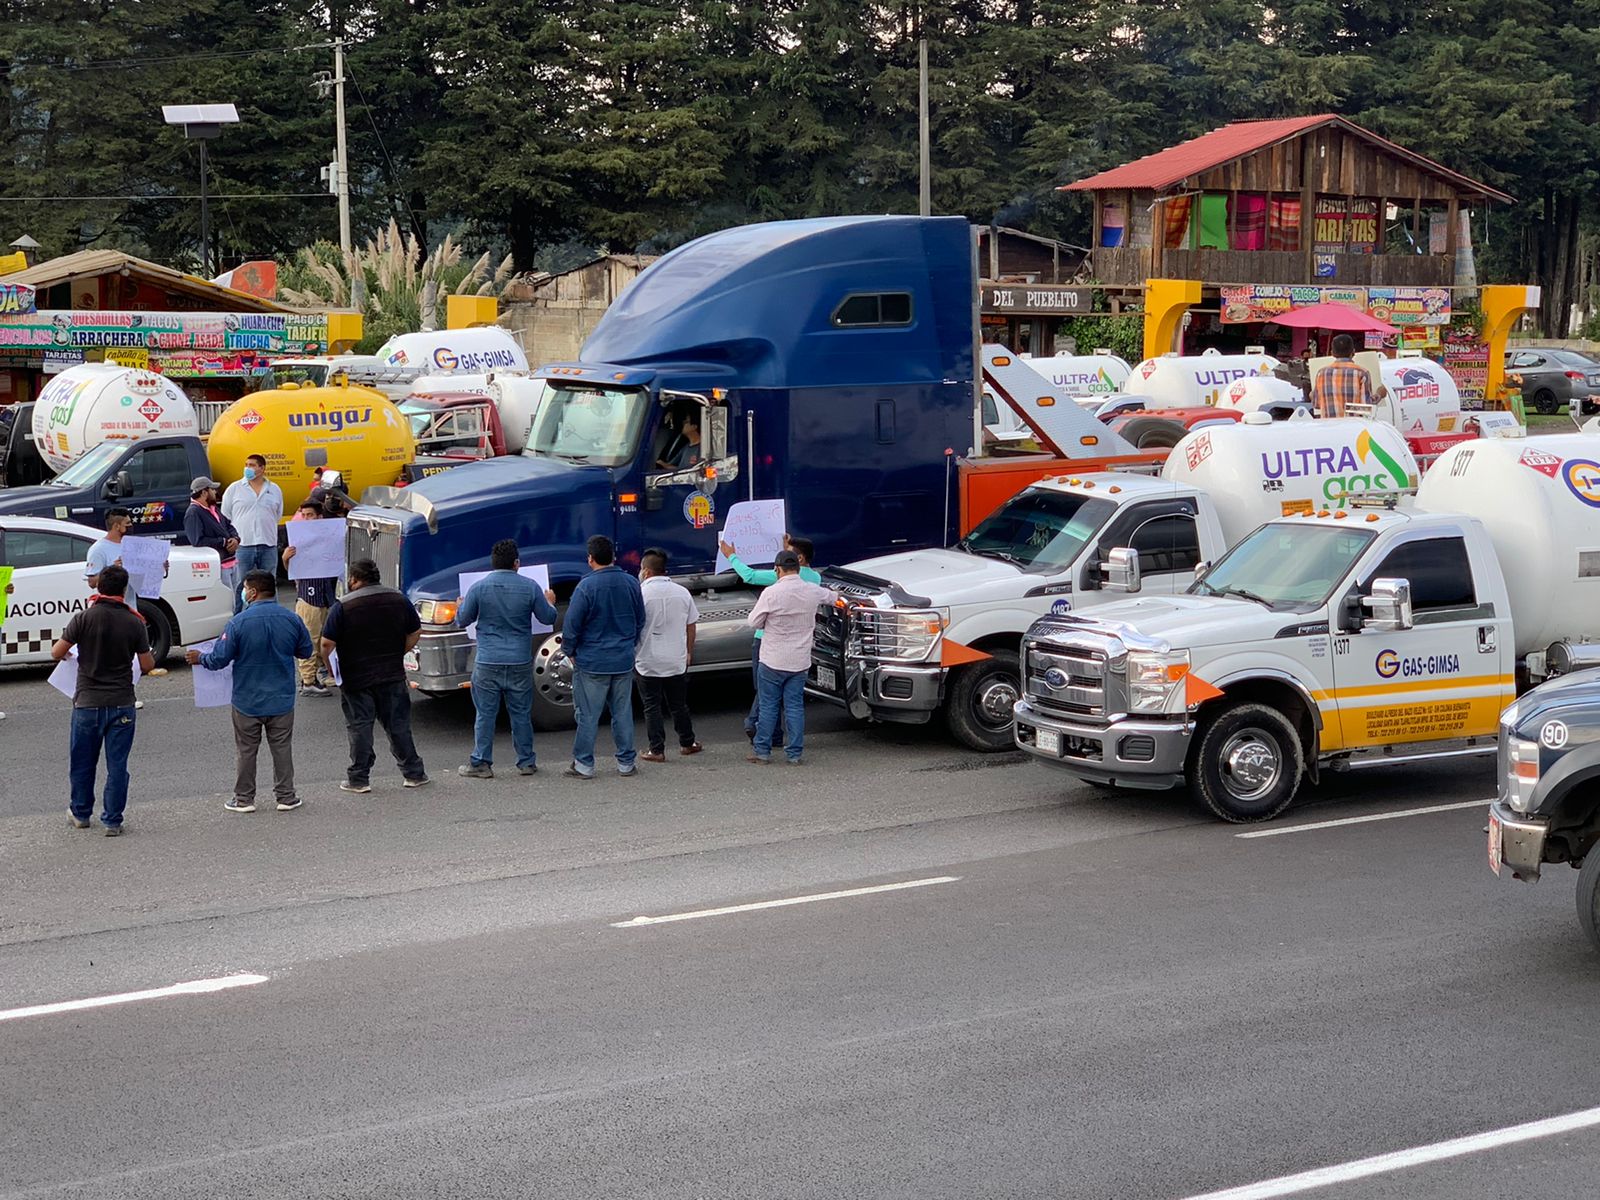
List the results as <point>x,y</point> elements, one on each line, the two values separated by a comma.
<point>926,205</point>
<point>205,218</point>
<point>340,155</point>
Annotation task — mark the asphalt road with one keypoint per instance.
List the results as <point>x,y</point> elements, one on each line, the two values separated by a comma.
<point>1101,996</point>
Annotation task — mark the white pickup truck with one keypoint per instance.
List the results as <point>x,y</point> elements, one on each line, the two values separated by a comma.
<point>1334,639</point>
<point>939,630</point>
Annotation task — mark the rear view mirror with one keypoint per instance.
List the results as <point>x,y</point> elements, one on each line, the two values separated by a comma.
<point>1201,570</point>
<point>1389,606</point>
<point>715,434</point>
<point>1121,570</point>
<point>120,484</point>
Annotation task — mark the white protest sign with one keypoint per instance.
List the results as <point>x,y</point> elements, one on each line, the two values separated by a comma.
<point>540,575</point>
<point>333,669</point>
<point>212,689</point>
<point>65,677</point>
<point>754,528</point>
<point>318,548</point>
<point>145,560</point>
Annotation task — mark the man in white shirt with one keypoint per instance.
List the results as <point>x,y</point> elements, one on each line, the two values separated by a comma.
<point>662,660</point>
<point>786,614</point>
<point>255,506</point>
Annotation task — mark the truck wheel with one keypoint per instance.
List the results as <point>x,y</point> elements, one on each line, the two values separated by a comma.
<point>1149,433</point>
<point>160,630</point>
<point>1247,765</point>
<point>552,685</point>
<point>1589,896</point>
<point>979,702</point>
<point>1545,402</point>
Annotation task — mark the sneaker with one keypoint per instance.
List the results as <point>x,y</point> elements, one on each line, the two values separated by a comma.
<point>653,756</point>
<point>419,781</point>
<point>797,762</point>
<point>291,805</point>
<point>629,773</point>
<point>476,771</point>
<point>360,789</point>
<point>758,760</point>
<point>530,769</point>
<point>572,772</point>
<point>314,690</point>
<point>691,748</point>
<point>113,830</point>
<point>240,806</point>
<point>77,822</point>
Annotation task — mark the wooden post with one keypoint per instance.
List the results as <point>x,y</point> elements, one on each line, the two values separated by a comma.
<point>1380,242</point>
<point>1452,235</point>
<point>1233,219</point>
<point>1158,238</point>
<point>1308,216</point>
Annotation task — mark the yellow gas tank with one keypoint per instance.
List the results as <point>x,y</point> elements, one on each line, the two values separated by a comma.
<point>354,430</point>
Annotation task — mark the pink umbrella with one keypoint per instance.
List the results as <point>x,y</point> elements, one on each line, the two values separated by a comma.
<point>1336,317</point>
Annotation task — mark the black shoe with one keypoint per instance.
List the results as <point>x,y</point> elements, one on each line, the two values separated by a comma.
<point>113,830</point>
<point>77,822</point>
<point>240,806</point>
<point>291,805</point>
<point>572,772</point>
<point>528,770</point>
<point>476,771</point>
<point>359,789</point>
<point>419,781</point>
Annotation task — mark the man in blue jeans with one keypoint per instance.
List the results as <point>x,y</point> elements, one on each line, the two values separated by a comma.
<point>254,505</point>
<point>503,604</point>
<point>786,614</point>
<point>759,578</point>
<point>108,636</point>
<point>604,623</point>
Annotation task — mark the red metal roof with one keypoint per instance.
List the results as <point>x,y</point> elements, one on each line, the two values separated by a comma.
<point>1166,168</point>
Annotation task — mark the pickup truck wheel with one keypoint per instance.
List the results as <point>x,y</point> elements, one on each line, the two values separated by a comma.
<point>1589,896</point>
<point>552,685</point>
<point>160,630</point>
<point>979,702</point>
<point>1247,765</point>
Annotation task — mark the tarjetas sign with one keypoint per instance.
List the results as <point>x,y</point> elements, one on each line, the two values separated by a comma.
<point>271,333</point>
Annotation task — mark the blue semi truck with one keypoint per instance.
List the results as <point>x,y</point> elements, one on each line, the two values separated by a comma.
<point>831,363</point>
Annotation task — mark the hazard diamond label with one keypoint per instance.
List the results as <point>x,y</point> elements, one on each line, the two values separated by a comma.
<point>249,420</point>
<point>1545,464</point>
<point>150,409</point>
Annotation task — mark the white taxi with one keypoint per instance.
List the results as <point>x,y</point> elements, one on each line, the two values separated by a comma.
<point>47,589</point>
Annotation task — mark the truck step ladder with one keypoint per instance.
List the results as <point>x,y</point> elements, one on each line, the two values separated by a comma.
<point>1061,425</point>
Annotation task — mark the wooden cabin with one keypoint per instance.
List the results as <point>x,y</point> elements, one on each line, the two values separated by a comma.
<point>1299,200</point>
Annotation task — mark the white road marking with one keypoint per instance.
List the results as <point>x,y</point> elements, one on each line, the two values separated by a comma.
<point>1388,816</point>
<point>784,903</point>
<point>192,988</point>
<point>1383,1164</point>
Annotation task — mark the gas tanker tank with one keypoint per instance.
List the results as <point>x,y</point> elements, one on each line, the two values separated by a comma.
<point>518,398</point>
<point>1539,498</point>
<point>354,430</point>
<point>1084,374</point>
<point>1422,397</point>
<point>102,402</point>
<point>1262,393</point>
<point>1191,380</point>
<point>1260,469</point>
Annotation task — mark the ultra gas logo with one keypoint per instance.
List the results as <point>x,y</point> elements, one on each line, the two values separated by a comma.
<point>1582,477</point>
<point>1389,664</point>
<point>1343,470</point>
<point>331,418</point>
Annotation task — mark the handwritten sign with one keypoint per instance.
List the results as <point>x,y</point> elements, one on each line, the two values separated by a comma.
<point>65,677</point>
<point>145,560</point>
<point>540,575</point>
<point>318,548</point>
<point>755,530</point>
<point>212,689</point>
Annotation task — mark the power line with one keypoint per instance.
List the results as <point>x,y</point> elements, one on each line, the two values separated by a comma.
<point>394,174</point>
<point>123,64</point>
<point>167,196</point>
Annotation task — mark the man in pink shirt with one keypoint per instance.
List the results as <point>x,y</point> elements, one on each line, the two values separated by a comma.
<point>786,614</point>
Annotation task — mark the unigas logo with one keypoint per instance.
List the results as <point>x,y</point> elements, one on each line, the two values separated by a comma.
<point>1343,470</point>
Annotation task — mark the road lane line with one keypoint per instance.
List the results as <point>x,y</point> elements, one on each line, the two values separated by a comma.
<point>1388,816</point>
<point>192,988</point>
<point>1399,1160</point>
<point>784,903</point>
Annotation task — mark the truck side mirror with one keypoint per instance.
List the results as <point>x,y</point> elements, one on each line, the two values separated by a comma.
<point>1201,570</point>
<point>120,484</point>
<point>1121,570</point>
<point>715,434</point>
<point>1389,606</point>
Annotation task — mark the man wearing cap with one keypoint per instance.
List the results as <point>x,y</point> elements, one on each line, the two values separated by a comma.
<point>786,614</point>
<point>204,525</point>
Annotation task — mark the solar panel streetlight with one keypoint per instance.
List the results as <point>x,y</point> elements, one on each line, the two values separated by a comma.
<point>201,123</point>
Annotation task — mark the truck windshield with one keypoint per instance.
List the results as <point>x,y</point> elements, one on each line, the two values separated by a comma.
<point>588,425</point>
<point>305,374</point>
<point>91,466</point>
<point>1286,566</point>
<point>1040,532</point>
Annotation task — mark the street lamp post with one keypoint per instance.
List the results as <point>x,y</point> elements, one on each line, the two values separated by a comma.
<point>201,123</point>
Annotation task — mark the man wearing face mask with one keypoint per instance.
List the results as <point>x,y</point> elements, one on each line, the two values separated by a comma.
<point>255,506</point>
<point>204,525</point>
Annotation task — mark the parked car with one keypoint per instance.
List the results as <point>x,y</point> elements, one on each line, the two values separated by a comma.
<point>1553,377</point>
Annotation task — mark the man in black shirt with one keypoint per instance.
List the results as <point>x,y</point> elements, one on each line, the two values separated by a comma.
<point>108,636</point>
<point>373,628</point>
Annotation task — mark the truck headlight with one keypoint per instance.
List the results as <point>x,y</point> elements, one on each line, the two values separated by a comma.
<point>899,634</point>
<point>437,612</point>
<point>1153,676</point>
<point>1522,773</point>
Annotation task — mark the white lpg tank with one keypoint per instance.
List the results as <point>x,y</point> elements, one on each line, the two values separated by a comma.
<point>1193,380</point>
<point>1259,469</point>
<point>1078,375</point>
<point>1423,397</point>
<point>1539,498</point>
<point>92,403</point>
<point>1262,393</point>
<point>518,399</point>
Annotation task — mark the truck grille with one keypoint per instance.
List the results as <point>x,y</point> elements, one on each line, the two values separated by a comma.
<point>377,539</point>
<point>1067,680</point>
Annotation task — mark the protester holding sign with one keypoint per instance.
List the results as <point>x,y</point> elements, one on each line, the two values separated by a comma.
<point>802,549</point>
<point>312,598</point>
<point>107,551</point>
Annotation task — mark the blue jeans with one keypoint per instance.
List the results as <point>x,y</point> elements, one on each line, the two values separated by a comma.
<point>247,559</point>
<point>592,695</point>
<point>91,729</point>
<point>512,683</point>
<point>783,697</point>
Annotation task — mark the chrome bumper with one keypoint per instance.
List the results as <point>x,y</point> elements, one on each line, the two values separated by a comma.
<point>1520,844</point>
<point>908,694</point>
<point>1126,753</point>
<point>443,660</point>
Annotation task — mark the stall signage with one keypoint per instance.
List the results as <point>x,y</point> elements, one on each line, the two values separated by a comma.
<point>15,298</point>
<point>1035,299</point>
<point>272,333</point>
<point>1254,303</point>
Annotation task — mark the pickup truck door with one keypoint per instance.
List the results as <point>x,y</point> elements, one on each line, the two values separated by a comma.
<point>158,495</point>
<point>1448,676</point>
<point>683,507</point>
<point>1167,538</point>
